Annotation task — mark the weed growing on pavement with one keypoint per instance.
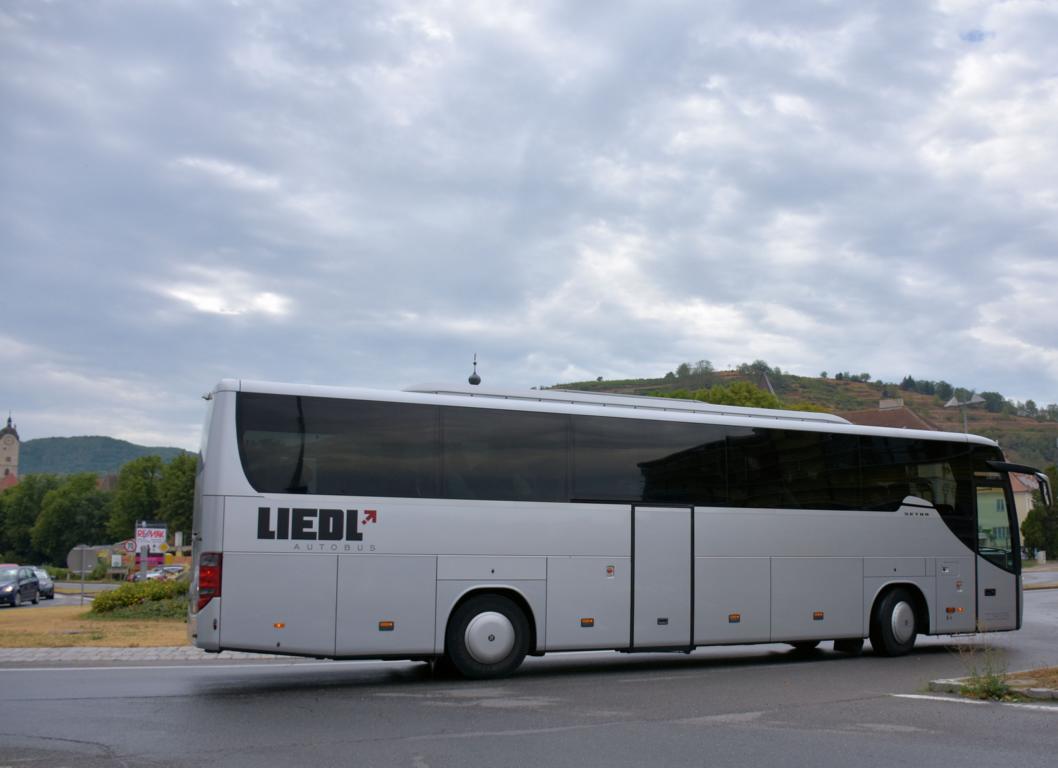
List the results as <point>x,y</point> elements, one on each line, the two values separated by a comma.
<point>986,673</point>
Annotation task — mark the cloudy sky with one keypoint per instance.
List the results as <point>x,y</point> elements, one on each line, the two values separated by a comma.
<point>369,193</point>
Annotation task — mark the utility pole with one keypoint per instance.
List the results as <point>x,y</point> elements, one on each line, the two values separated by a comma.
<point>961,405</point>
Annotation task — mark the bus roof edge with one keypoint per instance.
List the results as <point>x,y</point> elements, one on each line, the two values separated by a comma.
<point>644,402</point>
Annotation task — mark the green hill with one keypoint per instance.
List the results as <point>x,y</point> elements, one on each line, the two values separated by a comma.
<point>1023,439</point>
<point>67,455</point>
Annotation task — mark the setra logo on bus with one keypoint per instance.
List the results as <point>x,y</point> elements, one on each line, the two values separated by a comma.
<point>300,524</point>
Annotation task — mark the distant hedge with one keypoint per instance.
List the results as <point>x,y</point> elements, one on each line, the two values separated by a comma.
<point>138,593</point>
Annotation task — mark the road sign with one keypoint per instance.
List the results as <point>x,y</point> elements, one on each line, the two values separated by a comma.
<point>89,555</point>
<point>130,545</point>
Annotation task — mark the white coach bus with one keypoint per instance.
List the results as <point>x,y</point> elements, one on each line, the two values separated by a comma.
<point>483,525</point>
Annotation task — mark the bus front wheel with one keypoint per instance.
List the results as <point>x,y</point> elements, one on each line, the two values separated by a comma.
<point>893,629</point>
<point>487,636</point>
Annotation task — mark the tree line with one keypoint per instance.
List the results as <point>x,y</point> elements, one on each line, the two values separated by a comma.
<point>1040,528</point>
<point>994,401</point>
<point>45,516</point>
<point>703,373</point>
<point>705,369</point>
<point>740,393</point>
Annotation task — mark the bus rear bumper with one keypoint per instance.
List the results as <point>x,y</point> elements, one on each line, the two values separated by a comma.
<point>203,628</point>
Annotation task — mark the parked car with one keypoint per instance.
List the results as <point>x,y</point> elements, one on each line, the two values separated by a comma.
<point>162,572</point>
<point>47,586</point>
<point>18,583</point>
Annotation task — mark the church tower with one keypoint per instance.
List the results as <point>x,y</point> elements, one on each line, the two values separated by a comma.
<point>9,446</point>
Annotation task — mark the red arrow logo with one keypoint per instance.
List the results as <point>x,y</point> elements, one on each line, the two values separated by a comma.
<point>370,516</point>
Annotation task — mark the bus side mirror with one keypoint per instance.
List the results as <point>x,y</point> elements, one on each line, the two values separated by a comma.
<point>1045,489</point>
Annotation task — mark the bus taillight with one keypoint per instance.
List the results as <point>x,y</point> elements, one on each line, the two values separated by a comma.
<point>209,569</point>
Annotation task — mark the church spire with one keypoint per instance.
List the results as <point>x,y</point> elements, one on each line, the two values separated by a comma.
<point>10,428</point>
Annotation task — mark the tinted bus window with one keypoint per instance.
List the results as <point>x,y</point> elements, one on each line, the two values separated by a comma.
<point>291,444</point>
<point>649,461</point>
<point>338,447</point>
<point>270,436</point>
<point>370,448</point>
<point>778,468</point>
<point>938,472</point>
<point>505,455</point>
<point>894,468</point>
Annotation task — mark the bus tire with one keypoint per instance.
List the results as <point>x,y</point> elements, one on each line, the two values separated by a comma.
<point>893,626</point>
<point>487,636</point>
<point>850,646</point>
<point>441,666</point>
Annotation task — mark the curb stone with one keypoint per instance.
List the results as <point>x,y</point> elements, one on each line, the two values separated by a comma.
<point>1023,686</point>
<point>91,654</point>
<point>946,686</point>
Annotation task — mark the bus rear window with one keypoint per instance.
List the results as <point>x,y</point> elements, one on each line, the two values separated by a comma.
<point>337,447</point>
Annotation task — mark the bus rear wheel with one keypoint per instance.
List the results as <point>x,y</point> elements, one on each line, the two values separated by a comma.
<point>487,636</point>
<point>893,628</point>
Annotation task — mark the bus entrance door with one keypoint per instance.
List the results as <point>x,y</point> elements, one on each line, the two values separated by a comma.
<point>662,557</point>
<point>998,559</point>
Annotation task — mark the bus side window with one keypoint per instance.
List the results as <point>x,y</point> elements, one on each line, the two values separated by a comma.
<point>509,455</point>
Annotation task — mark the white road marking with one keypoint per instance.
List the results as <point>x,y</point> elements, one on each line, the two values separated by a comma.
<point>954,700</point>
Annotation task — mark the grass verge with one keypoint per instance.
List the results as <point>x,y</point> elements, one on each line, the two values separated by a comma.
<point>1046,677</point>
<point>66,626</point>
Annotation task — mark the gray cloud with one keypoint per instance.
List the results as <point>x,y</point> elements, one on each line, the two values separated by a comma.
<point>367,195</point>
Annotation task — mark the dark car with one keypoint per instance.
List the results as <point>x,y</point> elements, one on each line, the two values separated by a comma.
<point>45,584</point>
<point>18,583</point>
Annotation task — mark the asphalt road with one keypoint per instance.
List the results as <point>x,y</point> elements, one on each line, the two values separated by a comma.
<point>89,586</point>
<point>741,706</point>
<point>59,599</point>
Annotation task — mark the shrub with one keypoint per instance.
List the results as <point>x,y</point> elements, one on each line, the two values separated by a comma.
<point>138,593</point>
<point>170,608</point>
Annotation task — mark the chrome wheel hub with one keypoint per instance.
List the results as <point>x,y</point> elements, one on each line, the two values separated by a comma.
<point>489,637</point>
<point>903,624</point>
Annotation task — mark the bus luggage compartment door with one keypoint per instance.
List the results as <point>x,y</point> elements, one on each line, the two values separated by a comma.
<point>662,558</point>
<point>282,603</point>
